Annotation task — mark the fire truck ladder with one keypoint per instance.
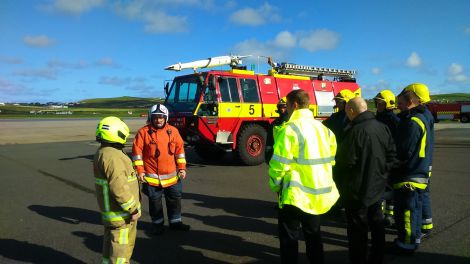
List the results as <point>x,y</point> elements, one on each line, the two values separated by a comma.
<point>315,72</point>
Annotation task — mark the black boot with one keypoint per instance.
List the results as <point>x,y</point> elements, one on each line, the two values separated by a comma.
<point>180,226</point>
<point>158,229</point>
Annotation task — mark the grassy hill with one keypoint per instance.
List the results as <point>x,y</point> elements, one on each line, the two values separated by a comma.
<point>451,97</point>
<point>119,102</point>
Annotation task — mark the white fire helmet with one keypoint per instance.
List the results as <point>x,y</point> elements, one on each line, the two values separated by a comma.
<point>158,109</point>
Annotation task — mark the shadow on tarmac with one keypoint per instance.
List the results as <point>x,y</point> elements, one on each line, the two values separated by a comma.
<point>71,215</point>
<point>183,247</point>
<point>88,157</point>
<point>239,206</point>
<point>32,253</point>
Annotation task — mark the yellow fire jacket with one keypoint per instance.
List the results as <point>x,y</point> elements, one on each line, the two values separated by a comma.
<point>301,167</point>
<point>117,188</point>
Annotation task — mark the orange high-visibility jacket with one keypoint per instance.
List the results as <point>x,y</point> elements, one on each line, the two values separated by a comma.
<point>159,153</point>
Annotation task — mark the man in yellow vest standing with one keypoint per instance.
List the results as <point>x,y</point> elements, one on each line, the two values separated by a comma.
<point>300,172</point>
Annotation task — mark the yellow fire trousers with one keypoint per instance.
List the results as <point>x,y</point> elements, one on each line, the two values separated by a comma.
<point>118,243</point>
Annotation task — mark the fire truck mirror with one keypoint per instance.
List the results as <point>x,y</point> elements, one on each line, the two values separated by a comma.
<point>167,86</point>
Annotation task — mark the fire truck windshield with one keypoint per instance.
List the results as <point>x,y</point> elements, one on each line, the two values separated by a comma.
<point>184,94</point>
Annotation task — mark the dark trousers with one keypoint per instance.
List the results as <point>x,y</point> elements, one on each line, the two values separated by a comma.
<point>408,217</point>
<point>427,225</point>
<point>291,221</point>
<point>360,221</point>
<point>172,199</point>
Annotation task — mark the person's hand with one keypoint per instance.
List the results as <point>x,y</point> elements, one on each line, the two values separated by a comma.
<point>182,174</point>
<point>135,216</point>
<point>141,177</point>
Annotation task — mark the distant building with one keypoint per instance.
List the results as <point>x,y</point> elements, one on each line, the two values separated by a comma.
<point>58,106</point>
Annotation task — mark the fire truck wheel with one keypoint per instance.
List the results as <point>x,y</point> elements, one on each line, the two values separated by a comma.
<point>251,143</point>
<point>464,119</point>
<point>208,152</point>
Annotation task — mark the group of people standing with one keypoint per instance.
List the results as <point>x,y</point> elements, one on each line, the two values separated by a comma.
<point>158,162</point>
<point>348,162</point>
<point>345,162</point>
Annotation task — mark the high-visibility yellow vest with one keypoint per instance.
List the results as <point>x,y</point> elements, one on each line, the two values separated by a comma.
<point>301,167</point>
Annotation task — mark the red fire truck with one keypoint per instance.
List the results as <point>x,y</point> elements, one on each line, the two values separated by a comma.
<point>459,110</point>
<point>220,111</point>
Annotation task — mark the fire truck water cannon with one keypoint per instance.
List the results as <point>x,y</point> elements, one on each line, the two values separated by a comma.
<point>232,60</point>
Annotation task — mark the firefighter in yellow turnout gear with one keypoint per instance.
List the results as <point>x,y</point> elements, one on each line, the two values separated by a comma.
<point>117,191</point>
<point>300,172</point>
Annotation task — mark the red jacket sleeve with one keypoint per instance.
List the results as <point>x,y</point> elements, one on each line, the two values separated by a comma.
<point>137,151</point>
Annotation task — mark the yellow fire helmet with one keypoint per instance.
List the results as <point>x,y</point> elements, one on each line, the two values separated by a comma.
<point>345,95</point>
<point>388,97</point>
<point>112,130</point>
<point>421,90</point>
<point>283,101</point>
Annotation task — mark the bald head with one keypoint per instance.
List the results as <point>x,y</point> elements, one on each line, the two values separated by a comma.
<point>355,107</point>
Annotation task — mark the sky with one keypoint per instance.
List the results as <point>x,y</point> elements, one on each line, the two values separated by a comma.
<point>71,50</point>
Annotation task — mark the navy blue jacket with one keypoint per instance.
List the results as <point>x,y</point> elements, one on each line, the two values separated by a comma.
<point>337,122</point>
<point>414,153</point>
<point>390,119</point>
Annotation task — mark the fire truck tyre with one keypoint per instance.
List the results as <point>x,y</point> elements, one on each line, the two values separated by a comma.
<point>464,119</point>
<point>251,143</point>
<point>208,152</point>
<point>436,120</point>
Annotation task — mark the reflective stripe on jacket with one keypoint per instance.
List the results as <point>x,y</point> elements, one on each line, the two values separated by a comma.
<point>117,188</point>
<point>159,153</point>
<point>301,167</point>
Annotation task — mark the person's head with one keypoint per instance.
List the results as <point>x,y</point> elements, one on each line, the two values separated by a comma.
<point>282,106</point>
<point>355,107</point>
<point>297,99</point>
<point>158,116</point>
<point>385,100</point>
<point>342,98</point>
<point>407,100</point>
<point>112,130</point>
<point>420,90</point>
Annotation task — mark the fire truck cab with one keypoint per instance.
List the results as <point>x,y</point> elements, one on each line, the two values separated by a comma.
<point>230,111</point>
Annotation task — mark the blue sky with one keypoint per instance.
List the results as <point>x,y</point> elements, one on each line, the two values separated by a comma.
<point>64,50</point>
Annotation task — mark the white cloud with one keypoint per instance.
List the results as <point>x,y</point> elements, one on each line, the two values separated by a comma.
<point>44,73</point>
<point>285,39</point>
<point>376,70</point>
<point>321,39</point>
<point>467,30</point>
<point>159,22</point>
<point>9,88</point>
<point>40,41</point>
<point>413,60</point>
<point>455,69</point>
<point>67,65</point>
<point>247,16</point>
<point>114,81</point>
<point>106,62</point>
<point>74,7</point>
<point>456,74</point>
<point>156,20</point>
<point>255,17</point>
<point>11,60</point>
<point>256,48</point>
